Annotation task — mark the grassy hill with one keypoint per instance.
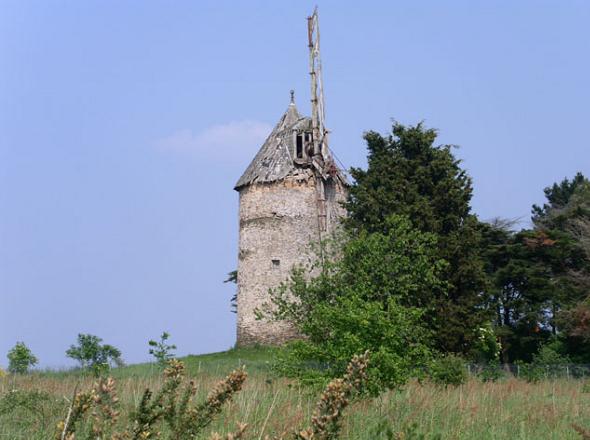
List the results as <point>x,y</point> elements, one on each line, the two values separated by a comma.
<point>508,409</point>
<point>255,360</point>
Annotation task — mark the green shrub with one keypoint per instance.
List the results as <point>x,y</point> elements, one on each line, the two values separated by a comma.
<point>94,356</point>
<point>486,347</point>
<point>32,401</point>
<point>350,325</point>
<point>530,372</point>
<point>547,363</point>
<point>491,372</point>
<point>370,294</point>
<point>21,359</point>
<point>448,370</point>
<point>161,350</point>
<point>30,410</point>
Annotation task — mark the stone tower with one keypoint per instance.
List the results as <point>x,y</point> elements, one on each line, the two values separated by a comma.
<point>291,194</point>
<point>286,202</point>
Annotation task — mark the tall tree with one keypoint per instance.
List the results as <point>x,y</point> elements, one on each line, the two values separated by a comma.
<point>520,290</point>
<point>540,276</point>
<point>409,175</point>
<point>573,219</point>
<point>563,219</point>
<point>553,213</point>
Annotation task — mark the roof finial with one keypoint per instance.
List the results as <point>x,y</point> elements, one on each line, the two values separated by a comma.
<point>292,97</point>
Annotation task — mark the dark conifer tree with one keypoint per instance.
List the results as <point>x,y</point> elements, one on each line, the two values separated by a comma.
<point>409,175</point>
<point>541,275</point>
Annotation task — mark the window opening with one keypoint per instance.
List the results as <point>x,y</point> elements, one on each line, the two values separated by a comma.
<point>299,144</point>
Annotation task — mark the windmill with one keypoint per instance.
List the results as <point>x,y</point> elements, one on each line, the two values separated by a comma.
<point>291,194</point>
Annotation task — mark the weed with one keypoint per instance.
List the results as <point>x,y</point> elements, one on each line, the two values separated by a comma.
<point>169,406</point>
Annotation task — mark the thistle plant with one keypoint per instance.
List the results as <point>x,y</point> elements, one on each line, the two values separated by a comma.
<point>189,421</point>
<point>172,406</point>
<point>105,411</point>
<point>327,418</point>
<point>153,408</point>
<point>79,406</point>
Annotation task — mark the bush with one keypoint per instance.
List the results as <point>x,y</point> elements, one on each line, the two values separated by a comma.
<point>486,347</point>
<point>161,350</point>
<point>547,363</point>
<point>491,372</point>
<point>371,293</point>
<point>94,356</point>
<point>448,370</point>
<point>31,409</point>
<point>350,325</point>
<point>20,359</point>
<point>530,372</point>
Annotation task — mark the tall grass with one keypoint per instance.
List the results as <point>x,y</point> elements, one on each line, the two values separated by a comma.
<point>508,409</point>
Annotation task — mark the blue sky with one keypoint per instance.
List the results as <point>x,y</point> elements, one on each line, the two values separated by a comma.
<point>125,124</point>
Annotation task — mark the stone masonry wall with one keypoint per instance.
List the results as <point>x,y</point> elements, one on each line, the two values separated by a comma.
<point>277,222</point>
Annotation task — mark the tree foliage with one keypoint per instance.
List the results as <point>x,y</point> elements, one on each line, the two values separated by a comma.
<point>558,198</point>
<point>540,276</point>
<point>161,350</point>
<point>448,370</point>
<point>409,175</point>
<point>93,355</point>
<point>21,359</point>
<point>365,298</point>
<point>413,245</point>
<point>232,277</point>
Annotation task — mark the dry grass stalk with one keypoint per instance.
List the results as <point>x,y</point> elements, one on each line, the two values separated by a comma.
<point>236,435</point>
<point>585,433</point>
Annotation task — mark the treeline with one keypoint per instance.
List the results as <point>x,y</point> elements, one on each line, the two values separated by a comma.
<point>419,275</point>
<point>530,284</point>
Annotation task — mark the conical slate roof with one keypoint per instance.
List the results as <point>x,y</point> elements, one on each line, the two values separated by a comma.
<point>274,161</point>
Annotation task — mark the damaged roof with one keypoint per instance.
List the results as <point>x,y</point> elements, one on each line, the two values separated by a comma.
<point>274,161</point>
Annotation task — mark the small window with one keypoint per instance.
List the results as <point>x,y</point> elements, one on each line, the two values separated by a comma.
<point>299,147</point>
<point>276,264</point>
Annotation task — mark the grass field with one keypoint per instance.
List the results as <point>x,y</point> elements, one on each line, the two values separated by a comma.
<point>507,409</point>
